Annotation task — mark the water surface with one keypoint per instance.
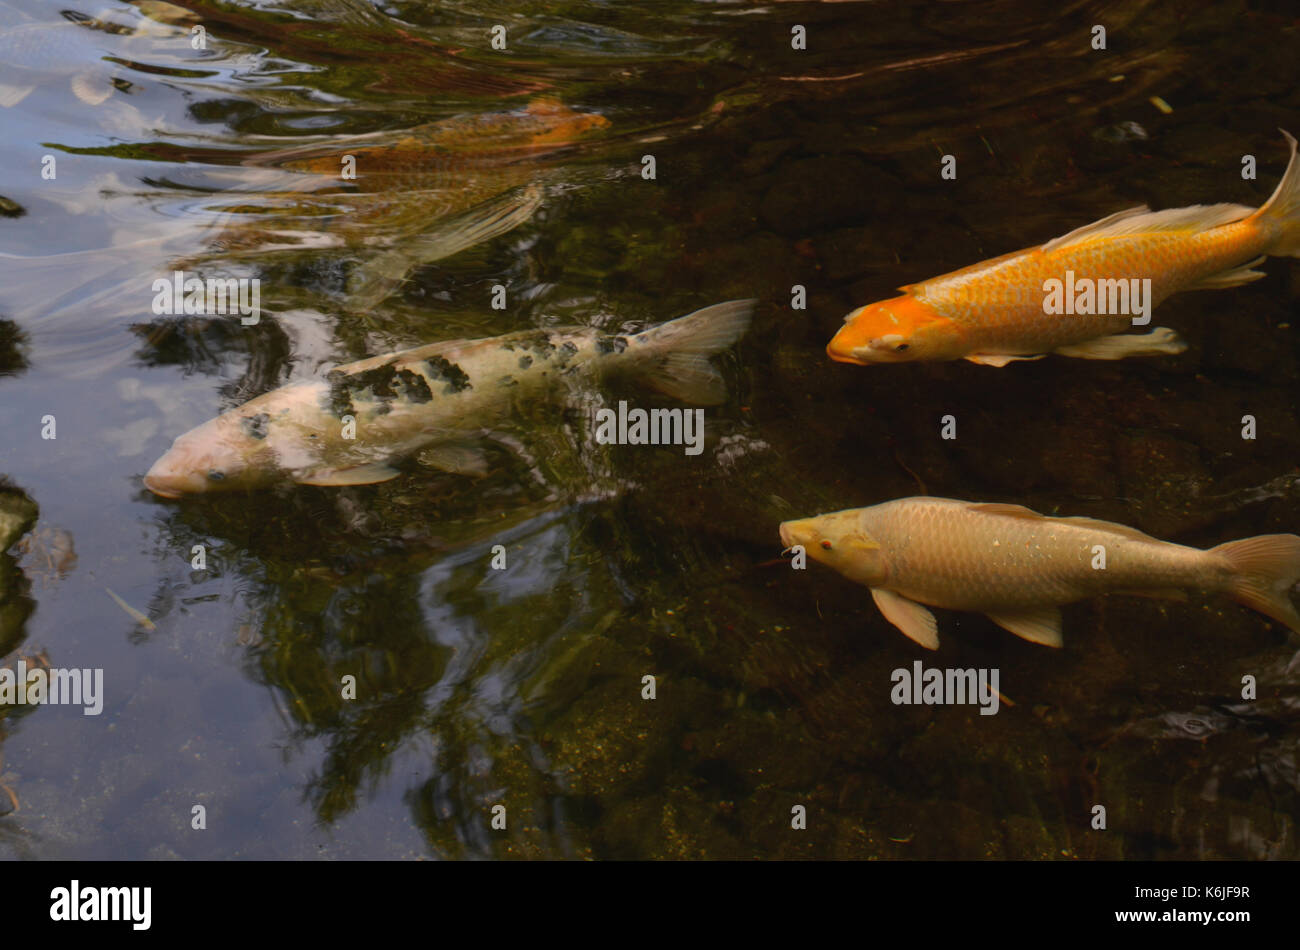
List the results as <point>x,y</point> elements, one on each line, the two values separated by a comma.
<point>477,687</point>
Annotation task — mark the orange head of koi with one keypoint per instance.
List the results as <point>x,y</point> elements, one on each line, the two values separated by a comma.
<point>897,330</point>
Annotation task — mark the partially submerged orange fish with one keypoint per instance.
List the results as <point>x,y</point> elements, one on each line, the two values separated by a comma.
<point>1018,566</point>
<point>422,194</point>
<point>1009,308</point>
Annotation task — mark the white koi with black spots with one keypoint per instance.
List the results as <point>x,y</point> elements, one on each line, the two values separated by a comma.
<point>435,400</point>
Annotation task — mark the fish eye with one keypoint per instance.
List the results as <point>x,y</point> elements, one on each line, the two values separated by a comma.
<point>215,476</point>
<point>901,347</point>
<point>826,545</point>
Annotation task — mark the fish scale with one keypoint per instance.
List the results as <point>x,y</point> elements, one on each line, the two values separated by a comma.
<point>950,555</point>
<point>452,389</point>
<point>1003,305</point>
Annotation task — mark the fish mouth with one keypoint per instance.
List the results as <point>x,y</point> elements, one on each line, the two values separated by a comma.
<point>169,479</point>
<point>842,350</point>
<point>161,487</point>
<point>840,356</point>
<point>792,535</point>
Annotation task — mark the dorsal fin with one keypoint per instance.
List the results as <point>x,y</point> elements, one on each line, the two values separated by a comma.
<point>403,356</point>
<point>1020,511</point>
<point>1123,530</point>
<point>998,508</point>
<point>1142,219</point>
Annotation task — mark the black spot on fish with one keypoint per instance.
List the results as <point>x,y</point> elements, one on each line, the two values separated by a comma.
<point>378,380</point>
<point>507,381</point>
<point>384,383</point>
<point>340,396</point>
<point>441,368</point>
<point>567,352</point>
<point>611,344</point>
<point>540,344</point>
<point>414,386</point>
<point>255,426</point>
<point>525,362</point>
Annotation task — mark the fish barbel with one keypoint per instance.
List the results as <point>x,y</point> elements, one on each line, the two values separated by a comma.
<point>995,311</point>
<point>1018,566</point>
<point>433,400</point>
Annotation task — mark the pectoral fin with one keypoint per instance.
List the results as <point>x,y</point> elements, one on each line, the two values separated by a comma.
<point>1161,341</point>
<point>90,89</point>
<point>999,359</point>
<point>908,616</point>
<point>460,459</point>
<point>357,475</point>
<point>1041,625</point>
<point>12,95</point>
<point>1233,277</point>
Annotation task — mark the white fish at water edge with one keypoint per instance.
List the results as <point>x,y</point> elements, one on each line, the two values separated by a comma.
<point>434,401</point>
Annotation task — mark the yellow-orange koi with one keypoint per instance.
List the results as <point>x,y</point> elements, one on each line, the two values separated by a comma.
<point>1019,567</point>
<point>1009,308</point>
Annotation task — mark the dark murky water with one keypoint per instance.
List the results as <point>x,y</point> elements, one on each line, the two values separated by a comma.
<point>522,687</point>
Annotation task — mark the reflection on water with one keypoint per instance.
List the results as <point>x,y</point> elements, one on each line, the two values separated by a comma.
<point>213,136</point>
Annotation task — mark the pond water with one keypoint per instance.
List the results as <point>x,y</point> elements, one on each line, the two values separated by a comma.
<point>145,138</point>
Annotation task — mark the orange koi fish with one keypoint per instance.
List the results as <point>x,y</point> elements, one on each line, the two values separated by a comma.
<point>1075,295</point>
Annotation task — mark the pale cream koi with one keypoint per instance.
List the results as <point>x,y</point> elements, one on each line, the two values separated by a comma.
<point>1019,567</point>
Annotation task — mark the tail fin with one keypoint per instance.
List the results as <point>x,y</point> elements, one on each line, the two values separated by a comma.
<point>684,346</point>
<point>1267,567</point>
<point>377,278</point>
<point>1282,210</point>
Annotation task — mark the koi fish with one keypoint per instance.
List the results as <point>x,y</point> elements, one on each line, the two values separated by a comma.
<point>1018,566</point>
<point>443,153</point>
<point>426,193</point>
<point>997,311</point>
<point>41,53</point>
<point>433,400</point>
